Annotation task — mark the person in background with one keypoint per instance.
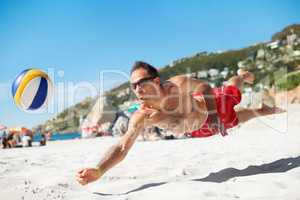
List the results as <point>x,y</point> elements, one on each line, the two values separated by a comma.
<point>43,140</point>
<point>4,140</point>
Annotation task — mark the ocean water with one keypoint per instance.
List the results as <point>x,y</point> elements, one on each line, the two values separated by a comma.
<point>58,136</point>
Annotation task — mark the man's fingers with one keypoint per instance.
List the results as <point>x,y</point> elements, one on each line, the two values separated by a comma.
<point>80,172</point>
<point>149,110</point>
<point>144,111</point>
<point>84,172</point>
<point>79,176</point>
<point>82,181</point>
<point>153,113</point>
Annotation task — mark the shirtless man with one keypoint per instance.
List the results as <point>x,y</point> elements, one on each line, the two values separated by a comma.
<point>182,105</point>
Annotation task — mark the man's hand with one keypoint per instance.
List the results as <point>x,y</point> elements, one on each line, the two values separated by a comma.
<point>88,175</point>
<point>152,116</point>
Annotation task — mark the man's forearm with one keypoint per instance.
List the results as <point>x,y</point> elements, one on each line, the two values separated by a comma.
<point>118,151</point>
<point>112,157</point>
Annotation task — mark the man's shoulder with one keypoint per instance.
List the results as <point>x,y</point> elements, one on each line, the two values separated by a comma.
<point>178,78</point>
<point>184,78</point>
<point>185,82</point>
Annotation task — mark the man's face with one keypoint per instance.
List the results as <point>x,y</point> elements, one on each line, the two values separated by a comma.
<point>144,85</point>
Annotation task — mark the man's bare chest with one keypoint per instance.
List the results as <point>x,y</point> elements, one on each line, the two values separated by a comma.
<point>182,123</point>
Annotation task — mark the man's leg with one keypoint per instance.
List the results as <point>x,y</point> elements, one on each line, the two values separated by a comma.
<point>242,77</point>
<point>246,114</point>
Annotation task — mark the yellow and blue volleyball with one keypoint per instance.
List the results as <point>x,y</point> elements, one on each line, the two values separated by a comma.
<point>31,89</point>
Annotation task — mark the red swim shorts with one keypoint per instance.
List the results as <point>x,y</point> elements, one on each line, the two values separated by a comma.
<point>226,98</point>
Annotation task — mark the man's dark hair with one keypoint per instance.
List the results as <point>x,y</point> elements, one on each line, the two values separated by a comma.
<point>152,71</point>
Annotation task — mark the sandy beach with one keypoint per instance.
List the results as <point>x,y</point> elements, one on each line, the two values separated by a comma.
<point>258,160</point>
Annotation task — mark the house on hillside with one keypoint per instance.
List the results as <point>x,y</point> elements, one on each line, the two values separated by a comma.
<point>213,72</point>
<point>202,74</point>
<point>273,45</point>
<point>224,73</point>
<point>291,39</point>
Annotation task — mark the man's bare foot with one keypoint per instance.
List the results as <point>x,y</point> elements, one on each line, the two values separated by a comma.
<point>247,76</point>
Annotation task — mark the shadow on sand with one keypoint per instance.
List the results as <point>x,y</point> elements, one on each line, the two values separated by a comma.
<point>278,166</point>
<point>143,187</point>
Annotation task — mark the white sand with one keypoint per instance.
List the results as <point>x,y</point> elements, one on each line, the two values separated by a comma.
<point>254,162</point>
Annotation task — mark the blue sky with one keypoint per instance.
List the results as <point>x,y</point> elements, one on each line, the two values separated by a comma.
<point>79,38</point>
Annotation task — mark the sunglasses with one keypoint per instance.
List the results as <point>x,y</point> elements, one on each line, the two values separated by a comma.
<point>142,81</point>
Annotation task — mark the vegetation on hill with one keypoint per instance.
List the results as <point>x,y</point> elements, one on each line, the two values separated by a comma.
<point>289,81</point>
<point>295,28</point>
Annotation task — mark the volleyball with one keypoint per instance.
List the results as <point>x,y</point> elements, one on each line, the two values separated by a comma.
<point>32,89</point>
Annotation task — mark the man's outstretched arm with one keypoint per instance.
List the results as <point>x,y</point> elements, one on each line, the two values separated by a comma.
<point>115,154</point>
<point>118,151</point>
